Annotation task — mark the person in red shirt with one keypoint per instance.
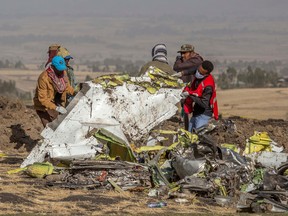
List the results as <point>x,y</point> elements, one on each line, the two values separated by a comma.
<point>202,93</point>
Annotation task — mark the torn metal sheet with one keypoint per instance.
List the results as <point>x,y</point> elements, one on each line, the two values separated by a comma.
<point>233,157</point>
<point>128,112</point>
<point>186,167</point>
<point>197,184</point>
<point>269,159</point>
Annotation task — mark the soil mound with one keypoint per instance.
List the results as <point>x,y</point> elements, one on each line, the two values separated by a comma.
<point>20,126</point>
<point>236,130</point>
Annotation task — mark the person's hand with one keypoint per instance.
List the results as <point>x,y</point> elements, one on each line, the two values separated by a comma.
<point>184,95</point>
<point>61,110</point>
<point>179,75</point>
<point>179,57</point>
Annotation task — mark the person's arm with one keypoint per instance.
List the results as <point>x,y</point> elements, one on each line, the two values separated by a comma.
<point>190,71</point>
<point>180,65</point>
<point>71,76</point>
<point>191,63</point>
<point>69,88</point>
<point>204,101</point>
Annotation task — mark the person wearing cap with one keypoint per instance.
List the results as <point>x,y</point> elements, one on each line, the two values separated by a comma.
<point>51,91</point>
<point>62,51</point>
<point>200,97</point>
<point>159,60</point>
<point>187,62</point>
<point>52,51</point>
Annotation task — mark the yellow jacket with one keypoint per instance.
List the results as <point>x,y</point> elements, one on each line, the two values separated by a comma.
<point>45,93</point>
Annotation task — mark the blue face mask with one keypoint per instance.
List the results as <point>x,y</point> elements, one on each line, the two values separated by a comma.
<point>198,75</point>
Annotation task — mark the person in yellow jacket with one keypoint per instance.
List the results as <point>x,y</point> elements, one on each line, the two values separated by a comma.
<point>51,91</point>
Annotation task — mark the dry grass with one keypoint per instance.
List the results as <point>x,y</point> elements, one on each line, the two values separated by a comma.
<point>254,103</point>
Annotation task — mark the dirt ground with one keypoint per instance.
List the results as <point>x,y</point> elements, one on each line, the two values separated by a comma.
<point>20,130</point>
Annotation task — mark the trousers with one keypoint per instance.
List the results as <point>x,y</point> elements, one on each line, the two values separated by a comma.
<point>198,121</point>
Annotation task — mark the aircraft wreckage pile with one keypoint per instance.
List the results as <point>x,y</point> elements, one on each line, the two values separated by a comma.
<point>108,140</point>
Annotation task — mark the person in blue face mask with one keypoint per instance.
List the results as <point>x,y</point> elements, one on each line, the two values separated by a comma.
<point>202,91</point>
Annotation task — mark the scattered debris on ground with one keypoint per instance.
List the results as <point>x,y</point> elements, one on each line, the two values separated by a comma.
<point>234,163</point>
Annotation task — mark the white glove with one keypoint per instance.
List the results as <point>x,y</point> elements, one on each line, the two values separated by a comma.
<point>179,74</point>
<point>184,95</point>
<point>61,110</point>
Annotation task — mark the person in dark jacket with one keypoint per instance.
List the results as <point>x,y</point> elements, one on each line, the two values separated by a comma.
<point>187,62</point>
<point>159,60</point>
<point>186,65</point>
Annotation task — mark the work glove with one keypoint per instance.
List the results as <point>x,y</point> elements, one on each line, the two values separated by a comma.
<point>195,94</point>
<point>179,74</point>
<point>61,110</point>
<point>184,95</point>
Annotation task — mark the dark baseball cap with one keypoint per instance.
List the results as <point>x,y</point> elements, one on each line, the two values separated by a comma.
<point>186,48</point>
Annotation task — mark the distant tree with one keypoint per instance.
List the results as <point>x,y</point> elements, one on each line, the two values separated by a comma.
<point>258,78</point>
<point>119,68</point>
<point>284,71</point>
<point>223,81</point>
<point>19,65</point>
<point>249,76</point>
<point>232,76</point>
<point>2,65</point>
<point>8,87</point>
<point>272,77</point>
<point>229,79</point>
<point>131,69</point>
<point>88,78</point>
<point>95,68</point>
<point>7,64</point>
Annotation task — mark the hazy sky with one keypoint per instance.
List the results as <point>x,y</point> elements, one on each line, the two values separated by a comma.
<point>112,27</point>
<point>210,8</point>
